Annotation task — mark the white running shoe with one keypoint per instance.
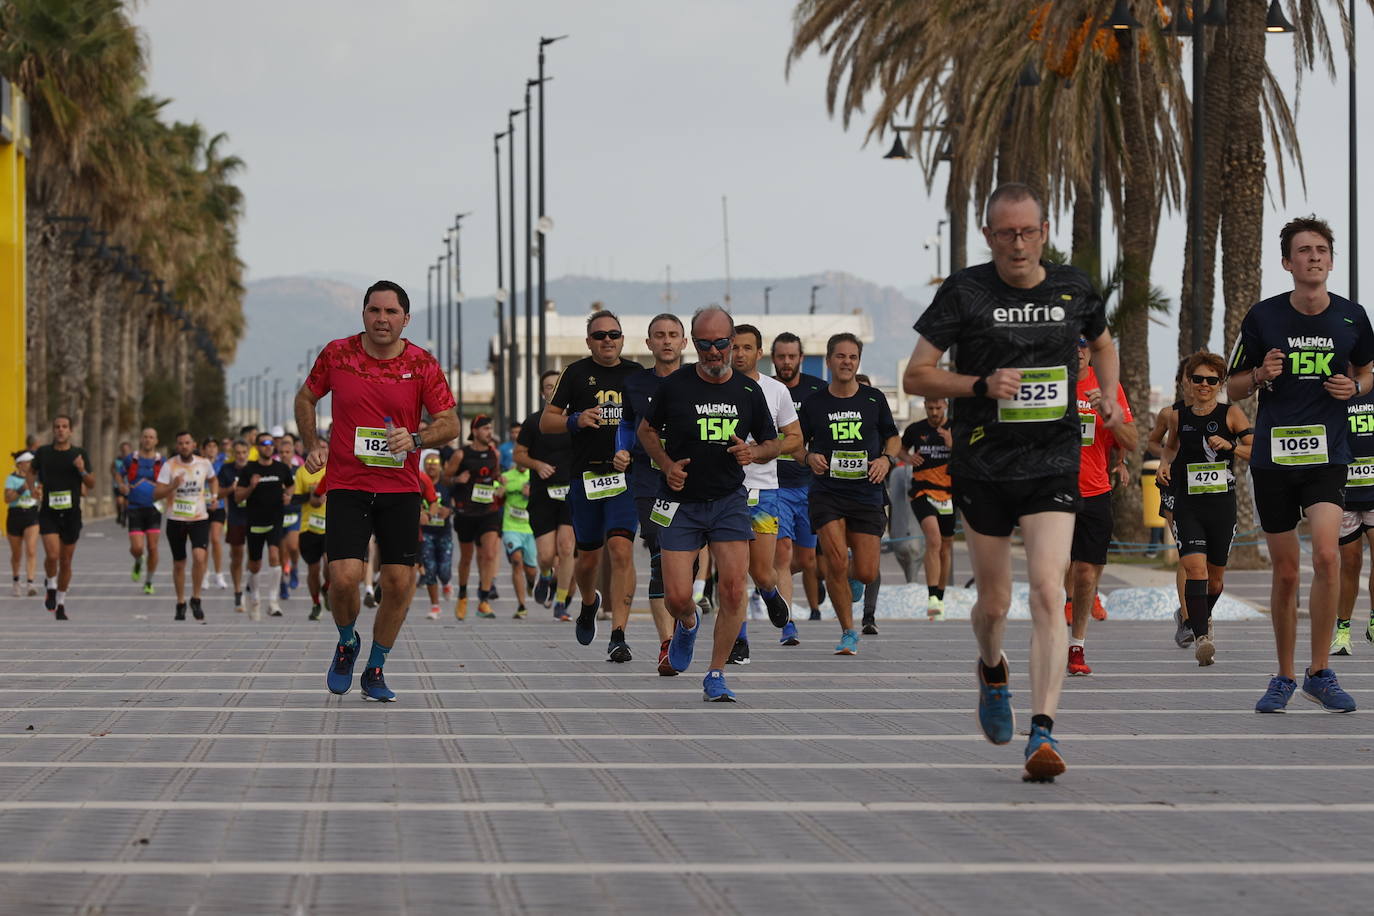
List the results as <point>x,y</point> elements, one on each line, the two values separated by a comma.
<point>433,612</point>
<point>18,590</point>
<point>205,582</point>
<point>757,609</point>
<point>254,608</point>
<point>273,607</point>
<point>221,581</point>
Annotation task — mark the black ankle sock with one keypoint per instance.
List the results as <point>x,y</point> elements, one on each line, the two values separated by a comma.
<point>1043,721</point>
<point>617,635</point>
<point>997,675</point>
<point>1199,612</point>
<point>932,591</point>
<point>940,593</point>
<point>462,591</point>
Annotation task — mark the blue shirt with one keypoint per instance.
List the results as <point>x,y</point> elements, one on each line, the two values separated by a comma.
<point>507,452</point>
<point>142,475</point>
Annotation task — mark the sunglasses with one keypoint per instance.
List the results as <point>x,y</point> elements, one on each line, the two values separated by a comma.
<point>720,343</point>
<point>1211,380</point>
<point>602,335</point>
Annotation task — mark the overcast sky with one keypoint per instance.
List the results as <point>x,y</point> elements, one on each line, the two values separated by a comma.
<point>367,126</point>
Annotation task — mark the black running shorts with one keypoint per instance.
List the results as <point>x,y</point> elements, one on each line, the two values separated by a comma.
<point>927,505</point>
<point>546,513</point>
<point>65,523</point>
<point>1206,524</point>
<point>178,532</point>
<point>994,507</point>
<point>355,517</point>
<point>470,528</point>
<point>858,518</point>
<point>1282,495</point>
<point>1092,530</point>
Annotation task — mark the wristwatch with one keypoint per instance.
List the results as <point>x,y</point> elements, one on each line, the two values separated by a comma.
<point>415,438</point>
<point>980,387</point>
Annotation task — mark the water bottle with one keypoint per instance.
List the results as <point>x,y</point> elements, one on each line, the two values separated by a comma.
<point>399,456</point>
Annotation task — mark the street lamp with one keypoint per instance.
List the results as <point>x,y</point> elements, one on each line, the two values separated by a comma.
<point>813,296</point>
<point>529,259</point>
<point>1275,22</point>
<point>513,363</point>
<point>545,224</point>
<point>429,309</point>
<point>499,381</point>
<point>456,305</point>
<point>766,291</point>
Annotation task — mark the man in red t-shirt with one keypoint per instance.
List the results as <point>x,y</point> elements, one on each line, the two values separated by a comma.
<point>380,381</point>
<point>1092,528</point>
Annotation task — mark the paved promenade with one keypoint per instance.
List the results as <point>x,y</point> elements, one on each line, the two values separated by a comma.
<point>148,766</point>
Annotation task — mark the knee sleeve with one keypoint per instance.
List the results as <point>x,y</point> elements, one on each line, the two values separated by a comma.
<point>656,575</point>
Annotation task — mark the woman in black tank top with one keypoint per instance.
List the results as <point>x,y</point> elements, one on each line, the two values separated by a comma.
<point>1203,439</point>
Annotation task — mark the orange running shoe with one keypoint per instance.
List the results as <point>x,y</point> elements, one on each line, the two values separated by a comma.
<point>1099,612</point>
<point>1068,612</point>
<point>1077,666</point>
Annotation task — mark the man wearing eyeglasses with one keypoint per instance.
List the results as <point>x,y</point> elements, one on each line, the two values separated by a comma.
<point>588,403</point>
<point>1016,322</point>
<point>696,432</point>
<point>1308,352</point>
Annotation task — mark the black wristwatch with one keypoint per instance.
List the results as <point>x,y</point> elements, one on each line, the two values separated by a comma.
<point>415,437</point>
<point>980,387</point>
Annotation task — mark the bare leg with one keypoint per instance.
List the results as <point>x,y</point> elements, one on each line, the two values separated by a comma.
<point>1048,536</point>
<point>623,578</point>
<point>732,563</point>
<point>782,567</point>
<point>1324,521</point>
<point>835,559</point>
<point>198,564</point>
<point>1283,596</point>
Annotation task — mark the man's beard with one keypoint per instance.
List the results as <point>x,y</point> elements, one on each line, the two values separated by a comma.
<point>715,370</point>
<point>785,374</point>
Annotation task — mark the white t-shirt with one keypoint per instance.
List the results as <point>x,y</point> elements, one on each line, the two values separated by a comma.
<point>779,398</point>
<point>187,502</point>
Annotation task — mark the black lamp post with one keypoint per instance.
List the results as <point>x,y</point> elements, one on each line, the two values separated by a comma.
<point>814,287</point>
<point>429,309</point>
<point>513,363</point>
<point>499,382</point>
<point>456,310</point>
<point>544,224</point>
<point>766,291</point>
<point>529,260</point>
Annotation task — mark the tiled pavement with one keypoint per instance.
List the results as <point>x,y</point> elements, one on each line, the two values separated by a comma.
<point>152,767</point>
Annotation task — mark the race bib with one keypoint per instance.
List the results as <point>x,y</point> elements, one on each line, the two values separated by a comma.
<point>663,511</point>
<point>1087,423</point>
<point>603,486</point>
<point>369,445</point>
<point>290,519</point>
<point>60,499</point>
<point>941,506</point>
<point>260,529</point>
<point>1292,446</point>
<point>1360,473</point>
<point>1207,478</point>
<point>520,515</point>
<point>483,493</point>
<point>185,507</point>
<point>753,496</point>
<point>559,493</point>
<point>849,465</point>
<point>316,524</point>
<point>1043,395</point>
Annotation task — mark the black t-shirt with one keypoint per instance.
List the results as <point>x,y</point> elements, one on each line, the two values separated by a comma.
<point>696,419</point>
<point>849,432</point>
<point>1194,431</point>
<point>477,497</point>
<point>923,438</point>
<point>56,471</point>
<point>790,472</point>
<point>640,391</point>
<point>996,326</point>
<point>1359,478</point>
<point>586,384</point>
<point>264,503</point>
<point>554,448</point>
<point>1296,412</point>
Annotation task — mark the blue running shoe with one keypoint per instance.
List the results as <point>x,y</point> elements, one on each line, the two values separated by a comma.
<point>856,591</point>
<point>543,591</point>
<point>586,621</point>
<point>375,688</point>
<point>1043,762</point>
<point>1320,687</point>
<point>713,689</point>
<point>1276,698</point>
<point>682,644</point>
<point>295,579</point>
<point>849,643</point>
<point>995,715</point>
<point>283,591</point>
<point>788,637</point>
<point>340,677</point>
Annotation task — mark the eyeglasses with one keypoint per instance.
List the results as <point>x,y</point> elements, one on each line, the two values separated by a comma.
<point>720,343</point>
<point>1007,236</point>
<point>602,335</point>
<point>1082,343</point>
<point>1211,380</point>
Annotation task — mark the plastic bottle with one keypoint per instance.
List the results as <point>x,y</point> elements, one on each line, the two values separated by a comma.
<point>399,456</point>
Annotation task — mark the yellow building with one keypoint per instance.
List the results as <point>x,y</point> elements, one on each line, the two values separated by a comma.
<point>14,147</point>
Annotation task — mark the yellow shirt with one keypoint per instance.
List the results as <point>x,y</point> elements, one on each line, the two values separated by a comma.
<point>312,517</point>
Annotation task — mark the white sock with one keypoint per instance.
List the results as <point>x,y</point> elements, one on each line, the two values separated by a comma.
<point>50,582</point>
<point>253,582</point>
<point>61,597</point>
<point>698,589</point>
<point>1076,642</point>
<point>273,582</point>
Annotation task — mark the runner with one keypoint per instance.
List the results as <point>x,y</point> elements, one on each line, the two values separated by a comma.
<point>380,381</point>
<point>507,447</point>
<point>666,341</point>
<point>185,481</point>
<point>236,516</point>
<point>60,469</point>
<point>1310,351</point>
<point>291,518</point>
<point>210,450</point>
<point>473,475</point>
<point>1016,322</point>
<point>1092,527</point>
<point>851,446</point>
<point>871,590</point>
<point>1204,438</point>
<point>761,482</point>
<point>1357,522</point>
<point>311,503</point>
<point>266,487</point>
<point>927,443</point>
<point>144,519</point>
<point>517,536</point>
<point>587,402</point>
<point>119,472</point>
<point>21,523</point>
<point>546,456</point>
<point>700,414</point>
<point>436,531</point>
<point>795,550</point>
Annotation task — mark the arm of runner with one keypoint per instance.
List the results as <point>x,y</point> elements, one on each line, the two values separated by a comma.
<point>305,422</point>
<point>1239,423</point>
<point>166,485</point>
<point>1154,445</point>
<point>1122,425</point>
<point>1248,370</point>
<point>1169,449</point>
<point>1107,365</point>
<point>1345,387</point>
<point>924,377</point>
<point>443,427</point>
<point>791,441</point>
<point>880,467</point>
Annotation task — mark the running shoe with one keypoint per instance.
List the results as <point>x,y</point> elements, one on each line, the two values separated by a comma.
<point>1043,762</point>
<point>33,589</point>
<point>935,608</point>
<point>704,605</point>
<point>138,567</point>
<point>1099,612</point>
<point>739,652</point>
<point>815,614</point>
<point>273,608</point>
<point>238,602</point>
<point>148,588</point>
<point>432,615</point>
<point>788,637</point>
<point>665,668</point>
<point>460,610</point>
<point>1068,612</point>
<point>221,581</point>
<point>870,627</point>
<point>340,676</point>
<point>1321,688</point>
<point>60,613</point>
<point>756,608</point>
<point>1276,698</point>
<point>1183,634</point>
<point>484,610</point>
<point>316,610</point>
<point>50,599</point>
<point>586,621</point>
<point>492,594</point>
<point>448,591</point>
<point>180,612</point>
<point>682,644</point>
<point>1340,643</point>
<point>1368,633</point>
<point>520,613</point>
<point>995,716</point>
<point>560,612</point>
<point>543,591</point>
<point>820,592</point>
<point>197,611</point>
<point>369,600</point>
<point>779,612</point>
<point>849,643</point>
<point>856,591</point>
<point>295,579</point>
<point>283,592</point>
<point>17,590</point>
<point>377,593</point>
<point>713,689</point>
<point>618,651</point>
<point>205,582</point>
<point>603,614</point>
<point>374,686</point>
<point>1078,667</point>
<point>1204,650</point>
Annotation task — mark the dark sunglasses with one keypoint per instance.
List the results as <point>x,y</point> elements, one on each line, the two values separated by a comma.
<point>720,343</point>
<point>602,335</point>
<point>1211,380</point>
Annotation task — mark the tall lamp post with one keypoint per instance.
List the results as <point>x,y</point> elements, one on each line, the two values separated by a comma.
<point>500,379</point>
<point>545,224</point>
<point>814,287</point>
<point>529,261</point>
<point>456,306</point>
<point>429,309</point>
<point>1354,258</point>
<point>766,291</point>
<point>513,366</point>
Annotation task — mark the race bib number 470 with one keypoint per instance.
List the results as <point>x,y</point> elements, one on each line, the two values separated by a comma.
<point>1294,446</point>
<point>1043,395</point>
